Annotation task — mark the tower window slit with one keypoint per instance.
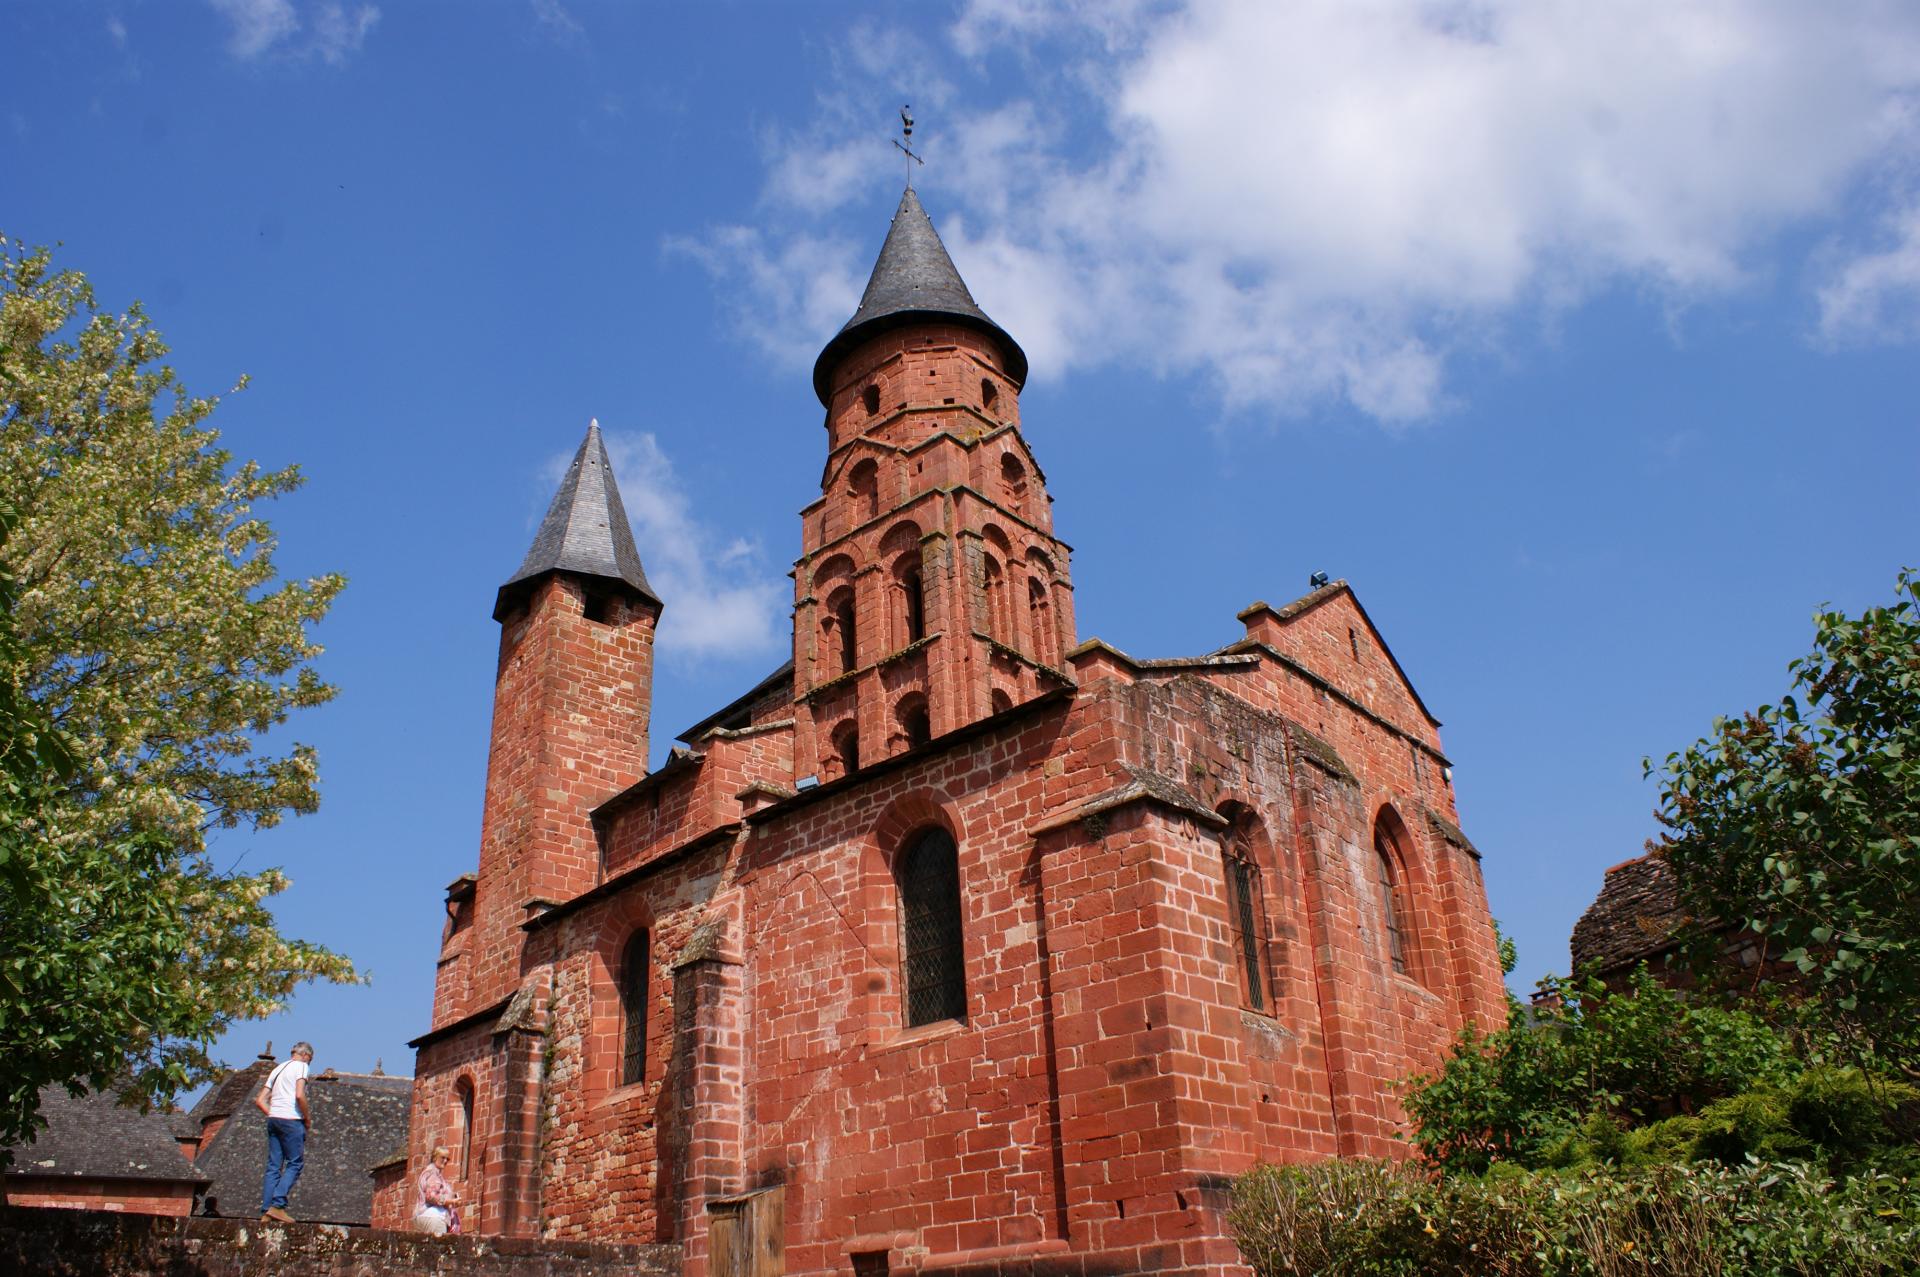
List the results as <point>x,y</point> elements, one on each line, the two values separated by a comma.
<point>916,606</point>
<point>1242,884</point>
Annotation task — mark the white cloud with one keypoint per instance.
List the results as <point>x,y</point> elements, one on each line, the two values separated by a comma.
<point>337,33</point>
<point>258,25</point>
<point>1875,297</point>
<point>780,294</point>
<point>720,599</point>
<point>1329,201</point>
<point>557,21</point>
<point>262,27</point>
<point>117,30</point>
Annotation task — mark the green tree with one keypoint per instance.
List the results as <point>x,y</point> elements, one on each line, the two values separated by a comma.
<point>1628,1058</point>
<point>1801,820</point>
<point>148,635</point>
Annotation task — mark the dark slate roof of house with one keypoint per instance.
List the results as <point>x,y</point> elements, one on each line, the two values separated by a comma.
<point>1634,917</point>
<point>780,680</point>
<point>586,529</point>
<point>359,1119</point>
<point>231,1091</point>
<point>913,278</point>
<point>93,1137</point>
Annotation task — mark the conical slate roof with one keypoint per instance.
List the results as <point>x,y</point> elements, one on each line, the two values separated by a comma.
<point>912,279</point>
<point>586,530</point>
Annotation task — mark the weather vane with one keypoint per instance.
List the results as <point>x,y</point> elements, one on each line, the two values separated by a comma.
<point>905,141</point>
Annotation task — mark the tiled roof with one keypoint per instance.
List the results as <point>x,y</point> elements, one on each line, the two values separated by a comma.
<point>780,680</point>
<point>231,1091</point>
<point>913,278</point>
<point>586,529</point>
<point>1635,916</point>
<point>92,1136</point>
<point>359,1119</point>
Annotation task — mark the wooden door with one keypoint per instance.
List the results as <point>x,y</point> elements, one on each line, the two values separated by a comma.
<point>746,1235</point>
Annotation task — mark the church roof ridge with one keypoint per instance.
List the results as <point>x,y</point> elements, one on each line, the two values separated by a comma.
<point>913,278</point>
<point>585,530</point>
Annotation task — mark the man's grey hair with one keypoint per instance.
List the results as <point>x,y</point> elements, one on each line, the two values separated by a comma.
<point>302,1048</point>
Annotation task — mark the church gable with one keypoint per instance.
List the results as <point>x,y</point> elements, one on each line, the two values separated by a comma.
<point>1330,634</point>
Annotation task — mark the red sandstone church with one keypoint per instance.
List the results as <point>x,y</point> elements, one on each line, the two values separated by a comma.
<point>957,941</point>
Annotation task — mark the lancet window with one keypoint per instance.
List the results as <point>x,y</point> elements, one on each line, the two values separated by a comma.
<point>928,877</point>
<point>634,964</point>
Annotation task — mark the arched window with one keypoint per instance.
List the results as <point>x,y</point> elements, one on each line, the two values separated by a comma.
<point>913,603</point>
<point>840,607</point>
<point>928,876</point>
<point>1393,900</point>
<point>1000,701</point>
<point>988,392</point>
<point>634,962</point>
<point>996,589</point>
<point>846,744</point>
<point>870,397</point>
<point>1246,917</point>
<point>1039,620</point>
<point>463,1125</point>
<point>863,485</point>
<point>915,726</point>
<point>1013,481</point>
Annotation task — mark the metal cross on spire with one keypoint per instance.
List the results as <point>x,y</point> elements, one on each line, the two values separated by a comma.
<point>905,142</point>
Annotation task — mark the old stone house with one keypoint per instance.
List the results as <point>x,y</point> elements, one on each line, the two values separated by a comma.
<point>957,941</point>
<point>95,1154</point>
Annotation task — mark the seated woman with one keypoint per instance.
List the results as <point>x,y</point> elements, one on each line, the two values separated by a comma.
<point>433,1205</point>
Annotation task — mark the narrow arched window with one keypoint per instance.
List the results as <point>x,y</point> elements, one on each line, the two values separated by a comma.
<point>463,1120</point>
<point>1243,894</point>
<point>915,725</point>
<point>928,876</point>
<point>1013,481</point>
<point>914,602</point>
<point>995,582</point>
<point>988,392</point>
<point>846,744</point>
<point>1393,911</point>
<point>870,397</point>
<point>633,1010</point>
<point>1039,620</point>
<point>849,640</point>
<point>863,486</point>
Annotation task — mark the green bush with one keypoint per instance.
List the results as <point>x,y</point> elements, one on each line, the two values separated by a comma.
<point>1381,1219</point>
<point>1645,1076</point>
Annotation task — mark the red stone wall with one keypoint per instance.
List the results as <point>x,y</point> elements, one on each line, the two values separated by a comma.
<point>612,1151</point>
<point>392,1197</point>
<point>134,1197</point>
<point>476,1058</point>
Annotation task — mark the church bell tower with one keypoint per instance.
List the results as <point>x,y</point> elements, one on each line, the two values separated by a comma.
<point>931,592</point>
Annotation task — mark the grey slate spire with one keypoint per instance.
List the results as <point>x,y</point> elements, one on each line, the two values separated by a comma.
<point>912,279</point>
<point>586,530</point>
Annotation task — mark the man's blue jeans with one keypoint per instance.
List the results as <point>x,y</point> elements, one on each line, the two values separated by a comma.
<point>286,1149</point>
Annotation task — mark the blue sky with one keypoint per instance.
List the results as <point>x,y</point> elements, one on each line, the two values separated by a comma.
<point>1579,338</point>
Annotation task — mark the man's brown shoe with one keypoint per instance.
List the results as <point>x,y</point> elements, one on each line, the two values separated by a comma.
<point>275,1213</point>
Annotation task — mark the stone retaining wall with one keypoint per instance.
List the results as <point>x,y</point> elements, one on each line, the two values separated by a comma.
<point>70,1243</point>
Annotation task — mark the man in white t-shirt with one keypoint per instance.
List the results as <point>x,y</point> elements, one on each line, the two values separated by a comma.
<point>283,1098</point>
